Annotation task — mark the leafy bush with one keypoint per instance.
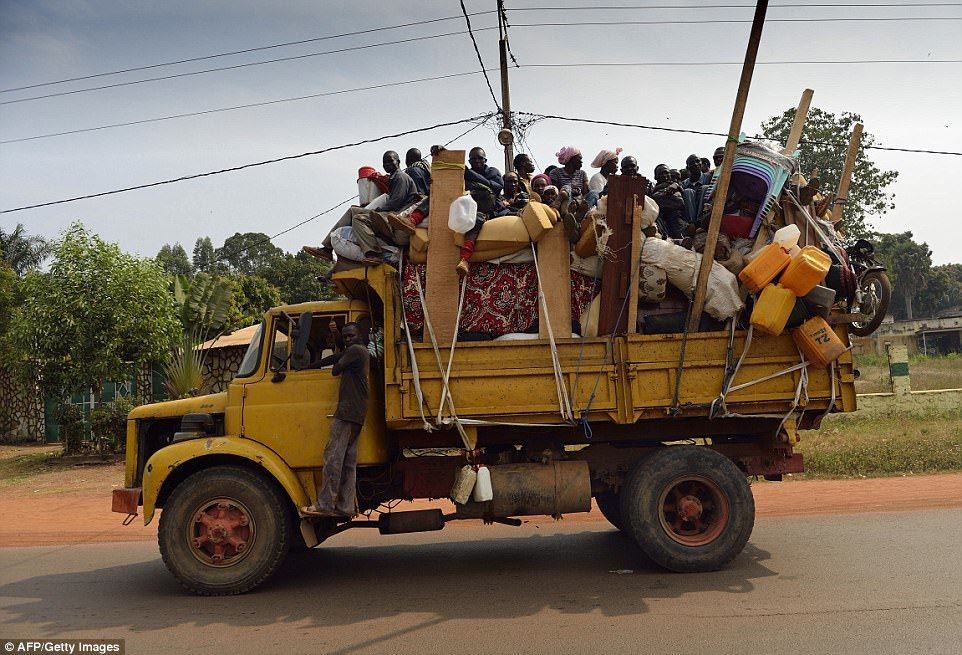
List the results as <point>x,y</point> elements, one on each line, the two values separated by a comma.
<point>109,425</point>
<point>70,418</point>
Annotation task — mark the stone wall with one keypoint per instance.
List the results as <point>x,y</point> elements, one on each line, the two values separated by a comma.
<point>220,367</point>
<point>21,409</point>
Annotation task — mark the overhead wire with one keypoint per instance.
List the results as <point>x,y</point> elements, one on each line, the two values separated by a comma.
<point>474,42</point>
<point>241,167</point>
<point>722,134</point>
<point>223,256</point>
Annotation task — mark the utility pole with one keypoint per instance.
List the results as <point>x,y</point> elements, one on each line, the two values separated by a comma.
<point>506,137</point>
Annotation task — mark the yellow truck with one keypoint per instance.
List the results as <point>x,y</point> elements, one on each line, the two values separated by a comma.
<point>662,431</point>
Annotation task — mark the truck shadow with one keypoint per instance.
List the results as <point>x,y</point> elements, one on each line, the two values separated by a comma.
<point>458,577</point>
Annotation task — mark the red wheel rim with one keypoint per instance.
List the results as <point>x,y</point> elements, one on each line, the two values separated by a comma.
<point>693,510</point>
<point>220,532</point>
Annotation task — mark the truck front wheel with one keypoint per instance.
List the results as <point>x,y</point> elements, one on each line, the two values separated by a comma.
<point>688,508</point>
<point>223,531</point>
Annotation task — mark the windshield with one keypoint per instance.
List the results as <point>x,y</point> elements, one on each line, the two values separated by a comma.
<point>253,355</point>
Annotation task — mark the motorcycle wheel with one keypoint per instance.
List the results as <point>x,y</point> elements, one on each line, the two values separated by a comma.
<point>876,292</point>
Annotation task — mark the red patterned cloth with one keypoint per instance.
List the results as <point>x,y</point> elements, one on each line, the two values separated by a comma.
<point>499,299</point>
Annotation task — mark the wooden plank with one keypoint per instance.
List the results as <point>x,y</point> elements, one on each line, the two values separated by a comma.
<point>721,191</point>
<point>637,207</point>
<point>441,294</point>
<point>842,195</point>
<point>616,271</point>
<point>554,264</point>
<point>795,135</point>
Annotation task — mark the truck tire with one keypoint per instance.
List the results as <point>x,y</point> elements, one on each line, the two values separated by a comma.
<point>224,531</point>
<point>610,505</point>
<point>688,508</point>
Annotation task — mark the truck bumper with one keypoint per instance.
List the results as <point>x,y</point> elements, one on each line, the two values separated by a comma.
<point>126,501</point>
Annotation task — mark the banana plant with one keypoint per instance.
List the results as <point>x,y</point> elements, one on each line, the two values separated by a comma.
<point>202,305</point>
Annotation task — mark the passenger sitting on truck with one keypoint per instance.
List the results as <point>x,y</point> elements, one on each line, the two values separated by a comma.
<point>629,166</point>
<point>336,497</point>
<point>538,184</point>
<point>366,224</point>
<point>525,169</point>
<point>488,207</point>
<point>671,204</point>
<point>570,174</point>
<point>478,173</point>
<point>514,198</point>
<point>419,171</point>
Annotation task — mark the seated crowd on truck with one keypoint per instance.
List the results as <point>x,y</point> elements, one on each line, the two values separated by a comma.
<point>394,203</point>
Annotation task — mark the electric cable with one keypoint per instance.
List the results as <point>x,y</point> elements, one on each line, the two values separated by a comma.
<point>721,134</point>
<point>232,169</point>
<point>223,256</point>
<point>467,19</point>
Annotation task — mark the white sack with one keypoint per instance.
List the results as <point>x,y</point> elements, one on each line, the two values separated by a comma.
<point>346,247</point>
<point>681,265</point>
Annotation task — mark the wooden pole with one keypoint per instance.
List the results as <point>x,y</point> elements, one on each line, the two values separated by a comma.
<point>800,115</point>
<point>842,195</point>
<point>721,191</point>
<point>441,294</point>
<point>505,91</point>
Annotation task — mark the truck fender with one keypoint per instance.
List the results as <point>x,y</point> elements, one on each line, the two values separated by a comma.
<point>166,460</point>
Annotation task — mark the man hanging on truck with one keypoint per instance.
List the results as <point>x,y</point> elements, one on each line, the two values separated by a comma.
<point>335,498</point>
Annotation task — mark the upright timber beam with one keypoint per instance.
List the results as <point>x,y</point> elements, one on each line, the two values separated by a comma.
<point>441,295</point>
<point>853,145</point>
<point>617,274</point>
<point>795,136</point>
<point>554,266</point>
<point>721,191</point>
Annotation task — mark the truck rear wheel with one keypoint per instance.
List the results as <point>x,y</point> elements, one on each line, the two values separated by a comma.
<point>609,503</point>
<point>688,508</point>
<point>223,531</point>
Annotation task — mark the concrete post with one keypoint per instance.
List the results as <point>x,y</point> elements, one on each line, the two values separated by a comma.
<point>898,355</point>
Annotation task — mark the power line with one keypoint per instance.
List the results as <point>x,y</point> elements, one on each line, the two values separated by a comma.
<point>236,107</point>
<point>467,19</point>
<point>326,211</point>
<point>235,66</point>
<point>240,52</point>
<point>849,19</point>
<point>245,166</point>
<point>465,74</point>
<point>721,134</point>
<point>800,5</point>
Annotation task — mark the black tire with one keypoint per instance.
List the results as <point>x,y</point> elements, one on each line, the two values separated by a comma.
<point>610,505</point>
<point>877,282</point>
<point>204,518</point>
<point>665,489</point>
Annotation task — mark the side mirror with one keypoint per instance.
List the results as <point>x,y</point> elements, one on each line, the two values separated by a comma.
<point>303,334</point>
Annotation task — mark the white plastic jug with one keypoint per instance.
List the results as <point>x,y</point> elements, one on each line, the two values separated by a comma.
<point>787,237</point>
<point>463,214</point>
<point>482,487</point>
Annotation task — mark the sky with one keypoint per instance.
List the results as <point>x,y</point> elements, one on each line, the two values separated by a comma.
<point>906,105</point>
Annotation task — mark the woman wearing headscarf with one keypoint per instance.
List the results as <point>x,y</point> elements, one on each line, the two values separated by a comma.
<point>607,162</point>
<point>570,173</point>
<point>538,184</point>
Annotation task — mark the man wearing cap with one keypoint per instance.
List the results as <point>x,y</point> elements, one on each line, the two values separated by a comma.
<point>368,225</point>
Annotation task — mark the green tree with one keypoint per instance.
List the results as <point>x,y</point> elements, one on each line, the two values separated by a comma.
<point>824,145</point>
<point>249,253</point>
<point>21,251</point>
<point>909,265</point>
<point>251,297</point>
<point>173,259</point>
<point>297,278</point>
<point>96,310</point>
<point>203,259</point>
<point>7,299</point>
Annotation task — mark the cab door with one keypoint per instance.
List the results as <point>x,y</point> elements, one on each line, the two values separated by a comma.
<point>290,408</point>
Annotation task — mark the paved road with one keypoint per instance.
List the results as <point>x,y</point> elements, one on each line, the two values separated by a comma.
<point>875,583</point>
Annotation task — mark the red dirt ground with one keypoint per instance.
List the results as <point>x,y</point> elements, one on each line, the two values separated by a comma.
<point>72,505</point>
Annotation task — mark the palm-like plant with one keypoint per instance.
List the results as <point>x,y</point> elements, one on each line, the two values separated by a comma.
<point>202,304</point>
<point>22,251</point>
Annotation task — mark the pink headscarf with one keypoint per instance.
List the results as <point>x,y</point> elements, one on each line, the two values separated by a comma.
<point>604,157</point>
<point>566,153</point>
<point>547,179</point>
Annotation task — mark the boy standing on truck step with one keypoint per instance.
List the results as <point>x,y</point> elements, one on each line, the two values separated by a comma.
<point>340,454</point>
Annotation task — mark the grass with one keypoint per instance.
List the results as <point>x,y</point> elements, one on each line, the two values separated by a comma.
<point>850,445</point>
<point>927,373</point>
<point>20,467</point>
